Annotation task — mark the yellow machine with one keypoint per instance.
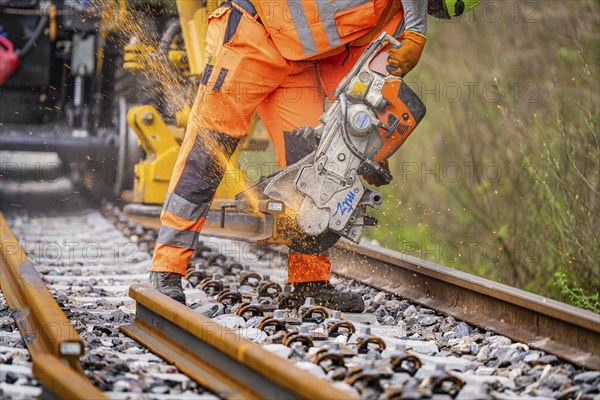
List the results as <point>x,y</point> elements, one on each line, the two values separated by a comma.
<point>161,139</point>
<point>158,141</point>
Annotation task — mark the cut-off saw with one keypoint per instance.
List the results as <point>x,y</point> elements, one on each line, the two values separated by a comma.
<point>325,195</point>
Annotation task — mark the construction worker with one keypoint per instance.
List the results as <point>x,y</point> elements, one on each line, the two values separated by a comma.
<point>277,58</point>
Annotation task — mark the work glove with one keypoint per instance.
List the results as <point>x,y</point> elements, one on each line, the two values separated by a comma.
<point>403,59</point>
<point>375,179</point>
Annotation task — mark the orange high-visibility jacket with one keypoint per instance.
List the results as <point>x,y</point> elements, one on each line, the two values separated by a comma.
<point>311,29</point>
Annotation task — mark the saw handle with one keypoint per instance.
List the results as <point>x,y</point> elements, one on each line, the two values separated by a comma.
<point>374,49</point>
<point>379,63</point>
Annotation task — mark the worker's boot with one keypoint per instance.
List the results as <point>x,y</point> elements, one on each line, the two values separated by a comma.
<point>326,295</point>
<point>168,283</point>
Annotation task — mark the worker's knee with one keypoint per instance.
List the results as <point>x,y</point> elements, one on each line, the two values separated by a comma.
<point>204,166</point>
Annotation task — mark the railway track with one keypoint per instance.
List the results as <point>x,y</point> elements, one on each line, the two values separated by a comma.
<point>87,265</point>
<point>545,324</point>
<point>412,345</point>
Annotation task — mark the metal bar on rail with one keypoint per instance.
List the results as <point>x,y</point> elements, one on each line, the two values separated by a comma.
<point>45,329</point>
<point>216,357</point>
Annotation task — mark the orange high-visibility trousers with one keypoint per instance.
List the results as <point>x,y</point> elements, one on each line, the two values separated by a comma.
<point>244,74</point>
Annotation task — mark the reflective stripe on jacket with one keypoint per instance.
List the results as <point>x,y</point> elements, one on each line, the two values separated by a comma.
<point>310,29</point>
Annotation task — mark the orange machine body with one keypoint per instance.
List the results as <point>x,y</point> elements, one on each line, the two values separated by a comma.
<point>402,115</point>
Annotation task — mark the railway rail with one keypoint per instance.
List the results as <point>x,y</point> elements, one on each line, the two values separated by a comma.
<point>215,356</point>
<point>235,300</point>
<point>568,332</point>
<point>50,338</point>
<point>84,265</point>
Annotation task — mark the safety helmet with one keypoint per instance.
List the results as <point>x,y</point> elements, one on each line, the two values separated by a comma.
<point>456,8</point>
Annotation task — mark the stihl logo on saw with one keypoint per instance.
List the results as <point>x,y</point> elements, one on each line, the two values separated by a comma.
<point>324,195</point>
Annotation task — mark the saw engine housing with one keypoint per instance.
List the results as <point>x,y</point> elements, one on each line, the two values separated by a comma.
<point>372,116</point>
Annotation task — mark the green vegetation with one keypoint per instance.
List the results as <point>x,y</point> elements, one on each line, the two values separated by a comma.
<point>577,295</point>
<point>502,179</point>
